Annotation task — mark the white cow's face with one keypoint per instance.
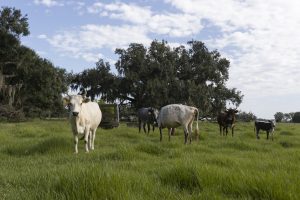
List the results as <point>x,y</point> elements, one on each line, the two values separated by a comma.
<point>74,103</point>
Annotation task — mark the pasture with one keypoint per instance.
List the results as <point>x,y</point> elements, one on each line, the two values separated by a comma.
<point>37,162</point>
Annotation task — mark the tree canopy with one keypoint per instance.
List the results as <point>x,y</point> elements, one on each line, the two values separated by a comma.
<point>27,81</point>
<point>190,75</point>
<point>161,75</point>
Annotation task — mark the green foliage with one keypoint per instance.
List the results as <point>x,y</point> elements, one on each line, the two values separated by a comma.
<point>43,85</point>
<point>296,117</point>
<point>37,83</point>
<point>159,75</point>
<point>98,80</point>
<point>245,117</point>
<point>37,162</point>
<point>12,26</point>
<point>279,116</point>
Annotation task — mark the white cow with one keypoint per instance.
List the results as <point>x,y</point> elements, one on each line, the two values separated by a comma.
<point>85,117</point>
<point>174,115</point>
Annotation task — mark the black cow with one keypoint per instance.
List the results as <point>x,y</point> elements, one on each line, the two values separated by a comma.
<point>227,119</point>
<point>147,116</point>
<point>266,125</point>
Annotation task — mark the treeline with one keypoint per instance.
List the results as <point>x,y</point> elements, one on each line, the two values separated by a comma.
<point>160,75</point>
<point>287,117</point>
<point>145,76</point>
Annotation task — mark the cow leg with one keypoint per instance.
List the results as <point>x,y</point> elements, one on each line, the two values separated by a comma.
<point>140,125</point>
<point>160,132</point>
<point>257,132</point>
<point>86,138</point>
<point>220,130</point>
<point>76,143</point>
<point>173,131</point>
<point>226,130</point>
<point>153,127</point>
<point>267,135</point>
<point>148,126</point>
<point>93,135</point>
<point>144,126</point>
<point>272,134</point>
<point>185,134</point>
<point>190,131</point>
<point>90,140</point>
<point>169,132</point>
<point>232,129</point>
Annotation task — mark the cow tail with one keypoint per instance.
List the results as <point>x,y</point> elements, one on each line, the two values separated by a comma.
<point>197,127</point>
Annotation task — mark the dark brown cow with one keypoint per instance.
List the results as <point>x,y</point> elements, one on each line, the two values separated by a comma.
<point>227,119</point>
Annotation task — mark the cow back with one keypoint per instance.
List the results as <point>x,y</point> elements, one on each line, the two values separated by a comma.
<point>174,115</point>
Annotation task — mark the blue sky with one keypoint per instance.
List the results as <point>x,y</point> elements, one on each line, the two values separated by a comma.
<point>260,38</point>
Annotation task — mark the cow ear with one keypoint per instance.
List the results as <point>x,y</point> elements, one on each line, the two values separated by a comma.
<point>236,111</point>
<point>85,100</point>
<point>66,100</point>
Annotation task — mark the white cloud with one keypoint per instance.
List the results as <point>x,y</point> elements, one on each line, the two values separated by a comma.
<point>172,24</point>
<point>48,3</point>
<point>261,39</point>
<point>42,36</point>
<point>82,43</point>
<point>126,12</point>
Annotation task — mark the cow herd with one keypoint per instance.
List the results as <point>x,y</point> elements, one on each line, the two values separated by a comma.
<point>85,117</point>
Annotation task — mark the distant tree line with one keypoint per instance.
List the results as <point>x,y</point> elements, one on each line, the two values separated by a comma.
<point>146,76</point>
<point>287,117</point>
<point>245,116</point>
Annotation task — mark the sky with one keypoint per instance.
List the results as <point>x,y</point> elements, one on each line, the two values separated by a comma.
<point>261,39</point>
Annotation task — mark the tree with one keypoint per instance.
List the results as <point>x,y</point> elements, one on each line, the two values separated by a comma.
<point>159,75</point>
<point>288,117</point>
<point>27,81</point>
<point>278,116</point>
<point>12,26</point>
<point>296,117</point>
<point>97,81</point>
<point>245,117</point>
<point>43,84</point>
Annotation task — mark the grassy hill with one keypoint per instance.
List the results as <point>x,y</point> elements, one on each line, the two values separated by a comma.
<point>37,162</point>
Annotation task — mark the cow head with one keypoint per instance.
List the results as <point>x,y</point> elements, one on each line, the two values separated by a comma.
<point>74,102</point>
<point>153,114</point>
<point>230,114</point>
<point>273,124</point>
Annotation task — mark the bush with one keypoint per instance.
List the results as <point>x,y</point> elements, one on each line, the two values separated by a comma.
<point>9,113</point>
<point>296,117</point>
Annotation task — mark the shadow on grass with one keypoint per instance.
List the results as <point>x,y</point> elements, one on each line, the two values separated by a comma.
<point>286,144</point>
<point>288,133</point>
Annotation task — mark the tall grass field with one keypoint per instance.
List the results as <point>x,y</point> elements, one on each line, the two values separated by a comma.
<point>37,162</point>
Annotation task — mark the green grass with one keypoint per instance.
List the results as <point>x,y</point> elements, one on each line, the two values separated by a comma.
<point>37,162</point>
